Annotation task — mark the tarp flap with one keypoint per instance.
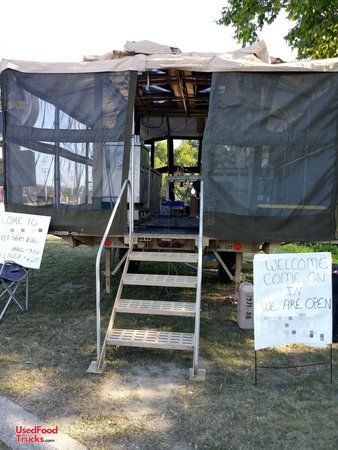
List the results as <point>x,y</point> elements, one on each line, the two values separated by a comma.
<point>146,55</point>
<point>62,132</point>
<point>269,160</point>
<point>150,47</point>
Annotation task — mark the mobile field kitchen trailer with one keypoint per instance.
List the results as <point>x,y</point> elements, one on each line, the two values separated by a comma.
<point>79,136</point>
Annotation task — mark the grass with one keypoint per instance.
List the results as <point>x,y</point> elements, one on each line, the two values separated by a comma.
<point>143,400</point>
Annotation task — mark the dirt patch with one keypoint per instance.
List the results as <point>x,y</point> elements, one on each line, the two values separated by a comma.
<point>147,391</point>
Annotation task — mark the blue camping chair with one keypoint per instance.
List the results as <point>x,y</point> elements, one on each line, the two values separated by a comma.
<point>11,276</point>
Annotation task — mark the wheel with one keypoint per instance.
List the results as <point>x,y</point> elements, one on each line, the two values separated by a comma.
<point>229,259</point>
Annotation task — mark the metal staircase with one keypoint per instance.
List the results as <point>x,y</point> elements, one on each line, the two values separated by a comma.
<point>153,338</point>
<point>150,338</point>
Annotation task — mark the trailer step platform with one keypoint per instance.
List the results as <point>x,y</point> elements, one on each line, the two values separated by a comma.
<point>155,307</point>
<point>142,279</point>
<point>164,257</point>
<point>151,339</point>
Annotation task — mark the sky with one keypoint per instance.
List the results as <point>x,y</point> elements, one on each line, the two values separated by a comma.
<point>66,30</point>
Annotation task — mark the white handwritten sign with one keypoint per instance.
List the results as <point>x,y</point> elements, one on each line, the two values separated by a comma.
<point>293,299</point>
<point>22,238</point>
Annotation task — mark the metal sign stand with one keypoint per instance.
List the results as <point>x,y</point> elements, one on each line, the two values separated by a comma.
<point>295,366</point>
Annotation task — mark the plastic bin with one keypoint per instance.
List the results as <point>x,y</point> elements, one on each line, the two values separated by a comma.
<point>169,208</point>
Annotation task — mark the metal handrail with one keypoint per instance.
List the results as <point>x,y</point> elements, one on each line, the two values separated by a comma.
<point>199,281</point>
<point>99,254</point>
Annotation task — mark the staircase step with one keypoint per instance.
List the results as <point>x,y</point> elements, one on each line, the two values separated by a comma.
<point>155,307</point>
<point>141,279</point>
<point>151,339</point>
<point>164,257</point>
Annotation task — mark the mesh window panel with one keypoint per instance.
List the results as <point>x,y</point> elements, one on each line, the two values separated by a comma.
<point>61,132</point>
<point>270,155</point>
<point>33,175</point>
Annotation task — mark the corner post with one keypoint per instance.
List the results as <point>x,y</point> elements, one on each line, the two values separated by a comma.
<point>196,372</point>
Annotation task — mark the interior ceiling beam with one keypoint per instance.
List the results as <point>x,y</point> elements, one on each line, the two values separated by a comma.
<point>183,100</point>
<point>177,88</point>
<point>204,78</point>
<point>170,113</point>
<point>139,99</point>
<point>172,104</point>
<point>150,98</point>
<point>183,87</point>
<point>189,84</point>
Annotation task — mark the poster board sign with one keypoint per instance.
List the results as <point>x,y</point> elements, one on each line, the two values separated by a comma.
<point>293,299</point>
<point>22,238</point>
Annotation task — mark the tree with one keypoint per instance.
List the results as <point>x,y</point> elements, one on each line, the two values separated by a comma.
<point>160,157</point>
<point>314,34</point>
<point>186,154</point>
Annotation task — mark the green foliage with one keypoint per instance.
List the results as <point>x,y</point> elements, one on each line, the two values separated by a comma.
<point>310,247</point>
<point>160,157</point>
<point>315,30</point>
<point>186,154</point>
<point>326,248</point>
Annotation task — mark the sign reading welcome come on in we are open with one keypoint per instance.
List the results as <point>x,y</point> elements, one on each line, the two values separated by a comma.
<point>293,299</point>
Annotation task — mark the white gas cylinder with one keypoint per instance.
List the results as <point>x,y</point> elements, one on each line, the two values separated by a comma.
<point>245,307</point>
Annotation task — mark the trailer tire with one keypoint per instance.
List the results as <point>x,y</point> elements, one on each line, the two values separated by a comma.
<point>229,259</point>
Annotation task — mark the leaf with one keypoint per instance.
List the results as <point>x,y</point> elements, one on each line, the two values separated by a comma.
<point>314,35</point>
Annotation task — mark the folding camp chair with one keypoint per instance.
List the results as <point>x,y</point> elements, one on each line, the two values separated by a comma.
<point>11,276</point>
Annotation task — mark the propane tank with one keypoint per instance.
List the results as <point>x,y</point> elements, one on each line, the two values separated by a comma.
<point>245,307</point>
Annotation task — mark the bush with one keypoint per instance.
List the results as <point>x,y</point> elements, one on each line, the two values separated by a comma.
<point>310,247</point>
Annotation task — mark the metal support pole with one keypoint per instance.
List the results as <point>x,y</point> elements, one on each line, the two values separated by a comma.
<point>152,155</point>
<point>238,271</point>
<point>199,163</point>
<point>97,271</point>
<point>87,174</point>
<point>199,283</point>
<point>121,262</point>
<point>27,290</point>
<point>132,177</point>
<point>171,166</point>
<point>95,366</point>
<point>255,367</point>
<point>57,179</point>
<point>331,364</point>
<point>107,269</point>
<point>222,263</point>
